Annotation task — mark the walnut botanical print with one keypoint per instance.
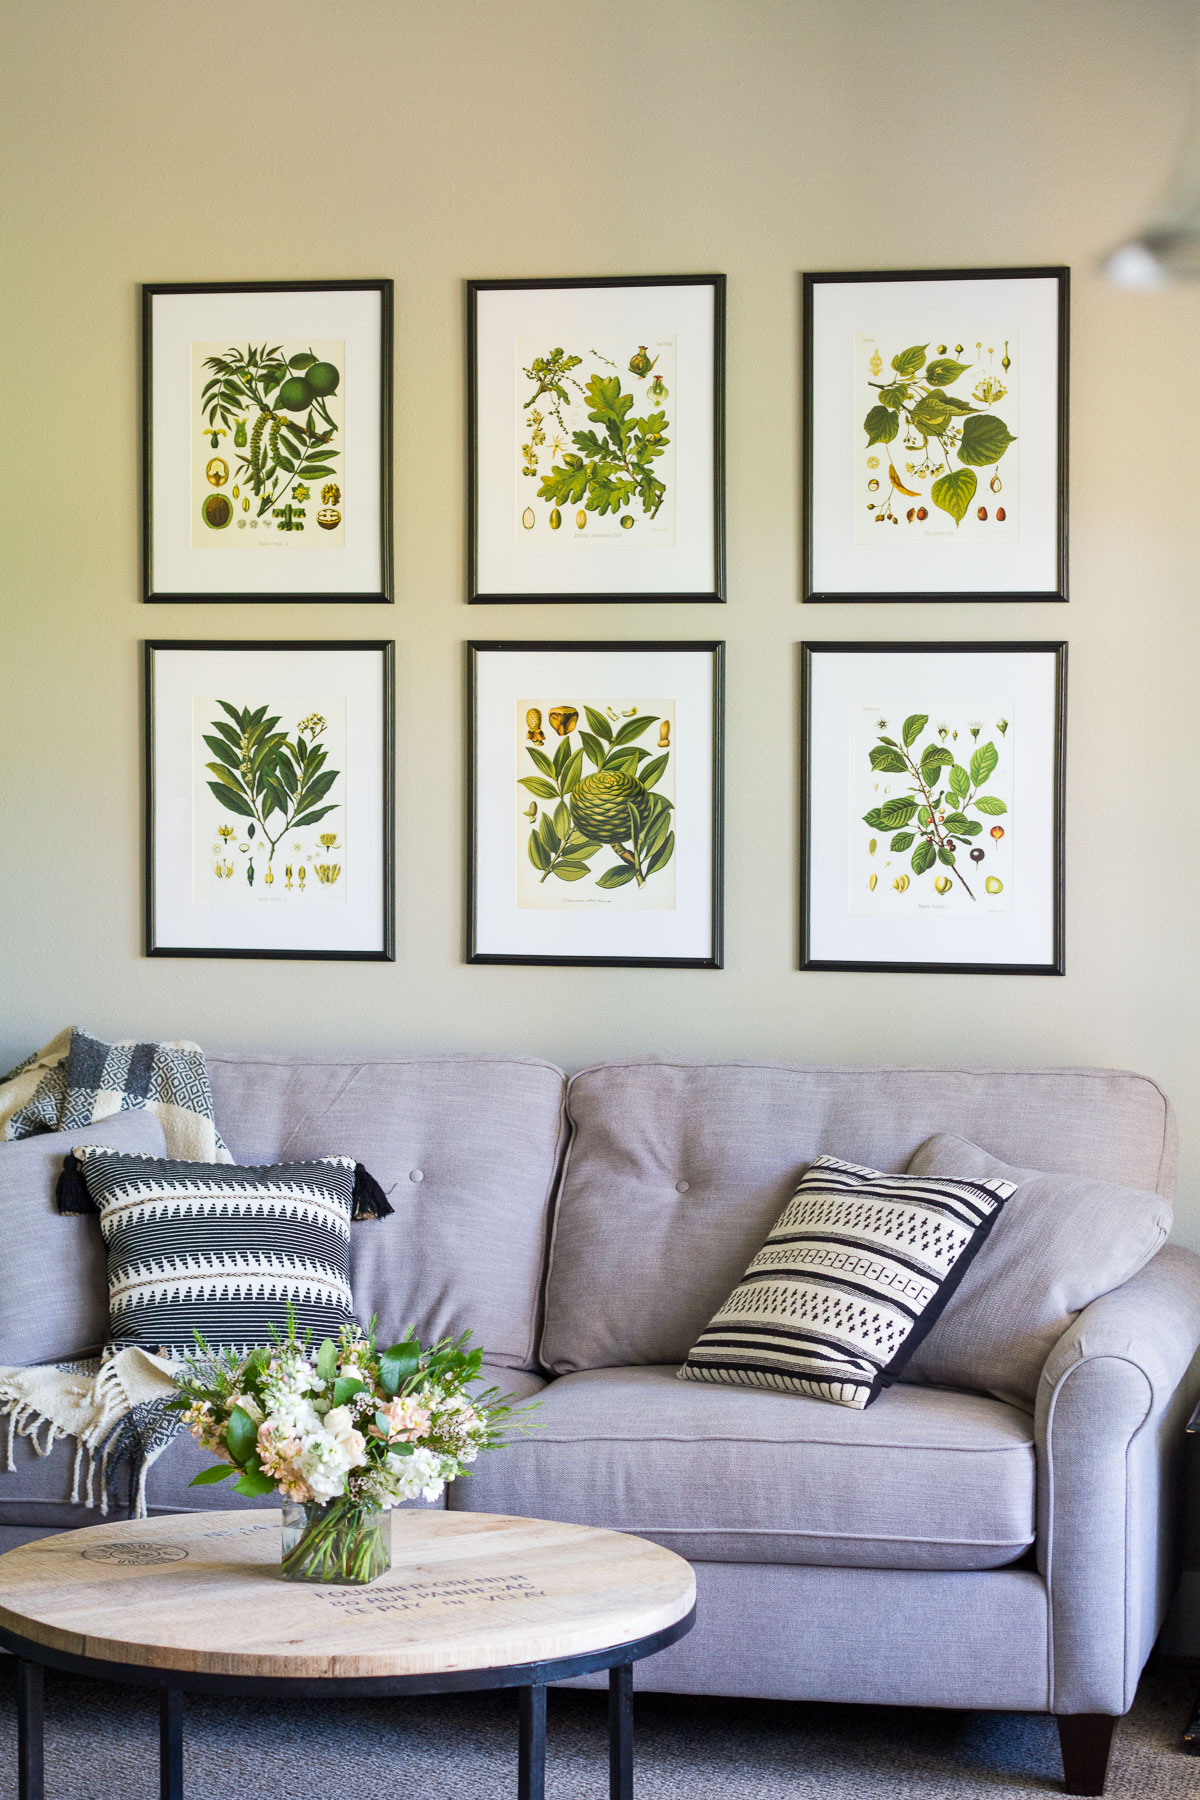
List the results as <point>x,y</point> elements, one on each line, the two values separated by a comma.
<point>267,445</point>
<point>594,808</point>
<point>272,826</point>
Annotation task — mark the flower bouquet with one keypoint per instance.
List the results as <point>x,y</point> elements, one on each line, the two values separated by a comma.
<point>344,1432</point>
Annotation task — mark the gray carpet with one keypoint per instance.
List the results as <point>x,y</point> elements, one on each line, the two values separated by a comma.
<point>102,1743</point>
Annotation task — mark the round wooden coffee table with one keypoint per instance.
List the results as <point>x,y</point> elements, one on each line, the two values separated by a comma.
<point>196,1602</point>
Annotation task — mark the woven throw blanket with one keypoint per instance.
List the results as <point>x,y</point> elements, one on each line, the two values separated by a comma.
<point>114,1406</point>
<point>77,1080</point>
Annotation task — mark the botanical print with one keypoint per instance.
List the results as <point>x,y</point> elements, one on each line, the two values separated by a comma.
<point>266,446</point>
<point>592,442</point>
<point>594,816</point>
<point>931,795</point>
<point>935,431</point>
<point>269,777</point>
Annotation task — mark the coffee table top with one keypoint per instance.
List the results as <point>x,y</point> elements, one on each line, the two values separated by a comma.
<point>202,1593</point>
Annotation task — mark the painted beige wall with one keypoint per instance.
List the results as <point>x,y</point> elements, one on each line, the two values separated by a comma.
<point>465,137</point>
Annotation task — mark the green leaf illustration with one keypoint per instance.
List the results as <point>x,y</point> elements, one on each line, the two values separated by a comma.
<point>952,403</point>
<point>945,856</point>
<point>311,818</point>
<point>540,760</point>
<point>539,856</point>
<point>972,828</point>
<point>988,803</point>
<point>633,728</point>
<point>924,817</point>
<point>662,855</point>
<point>933,758</point>
<point>572,771</point>
<point>544,790</point>
<point>887,762</point>
<point>910,361</point>
<point>956,821</point>
<point>985,438</point>
<point>895,813</point>
<point>653,770</point>
<point>616,877</point>
<point>955,492</point>
<point>896,395</point>
<point>232,802</point>
<point>903,840</point>
<point>549,835</point>
<point>224,751</point>
<point>914,725</point>
<point>881,425</point>
<point>599,724</point>
<point>930,416</point>
<point>571,871</point>
<point>983,762</point>
<point>593,748</point>
<point>960,781</point>
<point>562,822</point>
<point>562,757</point>
<point>943,370</point>
<point>923,857</point>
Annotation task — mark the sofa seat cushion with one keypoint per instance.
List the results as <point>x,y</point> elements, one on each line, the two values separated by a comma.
<point>926,1478</point>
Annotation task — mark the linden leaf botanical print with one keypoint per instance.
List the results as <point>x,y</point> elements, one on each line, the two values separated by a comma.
<point>593,441</point>
<point>936,456</point>
<point>932,793</point>
<point>272,826</point>
<point>267,444</point>
<point>594,813</point>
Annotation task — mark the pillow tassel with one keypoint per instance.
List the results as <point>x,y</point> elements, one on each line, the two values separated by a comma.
<point>370,1201</point>
<point>71,1192</point>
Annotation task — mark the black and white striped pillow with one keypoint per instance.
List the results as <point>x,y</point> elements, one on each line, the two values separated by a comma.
<point>856,1270</point>
<point>218,1248</point>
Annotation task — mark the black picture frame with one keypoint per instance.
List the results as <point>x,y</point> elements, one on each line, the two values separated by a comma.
<point>1058,591</point>
<point>385,649</point>
<point>1055,963</point>
<point>714,648</point>
<point>478,594</point>
<point>384,593</point>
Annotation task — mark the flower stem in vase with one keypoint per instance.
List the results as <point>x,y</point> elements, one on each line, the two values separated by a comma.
<point>339,1541</point>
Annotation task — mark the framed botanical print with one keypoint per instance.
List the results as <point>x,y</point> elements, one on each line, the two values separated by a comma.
<point>266,456</point>
<point>595,804</point>
<point>596,465</point>
<point>932,782</point>
<point>269,799</point>
<point>935,435</point>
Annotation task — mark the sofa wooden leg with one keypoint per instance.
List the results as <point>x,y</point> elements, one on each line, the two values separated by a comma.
<point>1085,1740</point>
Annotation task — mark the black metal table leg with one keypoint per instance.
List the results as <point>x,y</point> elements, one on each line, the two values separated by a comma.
<point>170,1744</point>
<point>531,1764</point>
<point>620,1731</point>
<point>31,1784</point>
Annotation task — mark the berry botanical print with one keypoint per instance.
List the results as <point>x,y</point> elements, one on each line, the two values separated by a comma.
<point>274,415</point>
<point>938,834</point>
<point>935,458</point>
<point>594,443</point>
<point>595,821</point>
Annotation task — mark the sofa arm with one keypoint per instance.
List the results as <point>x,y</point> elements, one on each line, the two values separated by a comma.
<point>1113,1400</point>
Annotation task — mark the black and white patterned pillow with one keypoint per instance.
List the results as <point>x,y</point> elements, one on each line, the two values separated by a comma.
<point>856,1270</point>
<point>220,1249</point>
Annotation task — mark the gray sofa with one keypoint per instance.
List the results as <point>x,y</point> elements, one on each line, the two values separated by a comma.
<point>942,1548</point>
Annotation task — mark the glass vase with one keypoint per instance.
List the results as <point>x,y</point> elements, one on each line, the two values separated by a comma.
<point>337,1541</point>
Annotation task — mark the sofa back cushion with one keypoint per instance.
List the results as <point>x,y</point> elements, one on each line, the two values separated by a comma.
<point>677,1171</point>
<point>1059,1243</point>
<point>467,1151</point>
<point>54,1296</point>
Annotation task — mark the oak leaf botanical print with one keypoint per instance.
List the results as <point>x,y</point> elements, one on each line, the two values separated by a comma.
<point>593,808</point>
<point>936,440</point>
<point>594,442</point>
<point>266,445</point>
<point>269,793</point>
<point>932,798</point>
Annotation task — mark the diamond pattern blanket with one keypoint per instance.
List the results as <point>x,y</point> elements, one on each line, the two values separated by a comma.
<point>114,1406</point>
<point>78,1080</point>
